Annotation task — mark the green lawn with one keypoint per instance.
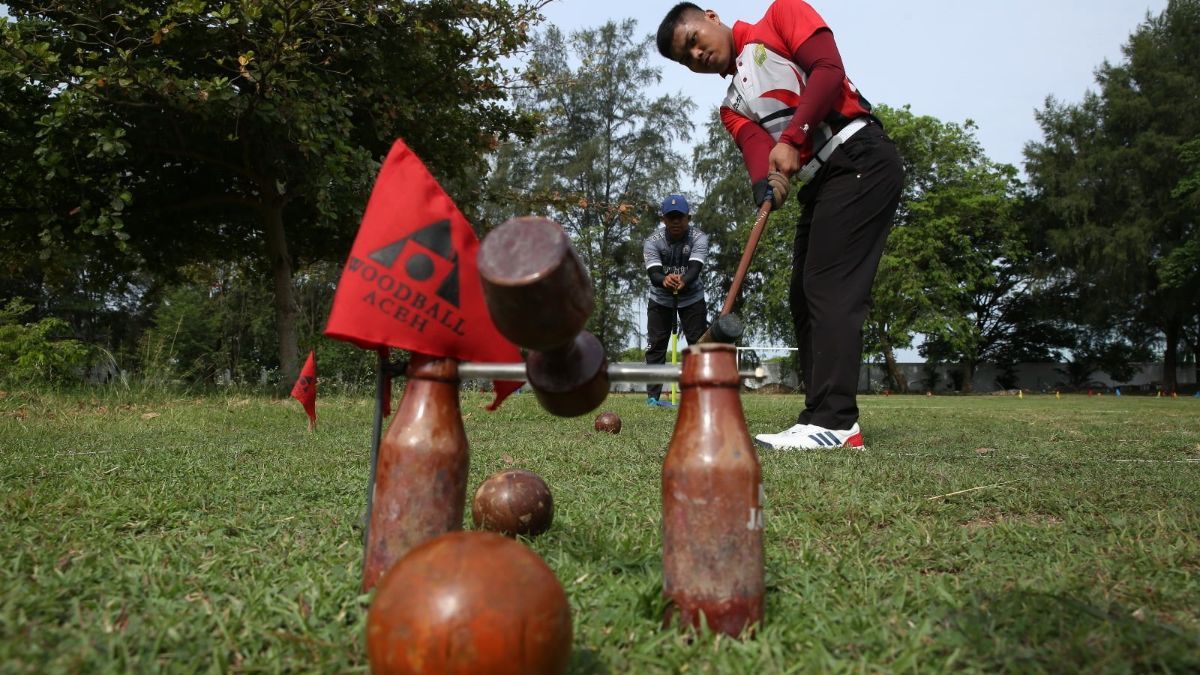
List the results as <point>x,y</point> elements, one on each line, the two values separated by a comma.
<point>215,533</point>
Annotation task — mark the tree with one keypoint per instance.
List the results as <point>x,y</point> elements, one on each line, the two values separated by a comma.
<point>1179,268</point>
<point>35,353</point>
<point>602,161</point>
<point>1111,174</point>
<point>956,266</point>
<point>187,131</point>
<point>210,326</point>
<point>1002,302</point>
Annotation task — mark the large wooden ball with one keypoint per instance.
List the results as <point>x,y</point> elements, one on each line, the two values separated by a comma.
<point>469,602</point>
<point>513,502</point>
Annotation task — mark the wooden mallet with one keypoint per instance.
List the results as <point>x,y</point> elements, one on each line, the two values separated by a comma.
<point>728,328</point>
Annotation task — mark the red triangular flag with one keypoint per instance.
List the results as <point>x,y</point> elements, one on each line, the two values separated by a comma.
<point>412,280</point>
<point>305,389</point>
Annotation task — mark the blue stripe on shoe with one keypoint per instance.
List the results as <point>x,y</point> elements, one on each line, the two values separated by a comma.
<point>819,439</point>
<point>833,439</point>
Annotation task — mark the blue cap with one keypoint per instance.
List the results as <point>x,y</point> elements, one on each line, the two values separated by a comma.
<point>675,203</point>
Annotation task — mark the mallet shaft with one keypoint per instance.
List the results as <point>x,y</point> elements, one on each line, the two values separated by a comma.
<point>617,372</point>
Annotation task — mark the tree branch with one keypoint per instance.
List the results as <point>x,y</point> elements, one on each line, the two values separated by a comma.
<point>213,200</point>
<point>201,157</point>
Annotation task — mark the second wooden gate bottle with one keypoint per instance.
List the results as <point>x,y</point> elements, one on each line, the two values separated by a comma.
<point>421,472</point>
<point>712,518</point>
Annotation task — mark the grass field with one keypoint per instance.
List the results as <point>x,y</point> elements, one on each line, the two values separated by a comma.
<point>217,534</point>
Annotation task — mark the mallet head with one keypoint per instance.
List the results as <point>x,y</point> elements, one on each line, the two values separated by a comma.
<point>728,329</point>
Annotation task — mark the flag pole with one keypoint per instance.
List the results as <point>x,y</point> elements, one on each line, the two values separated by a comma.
<point>382,380</point>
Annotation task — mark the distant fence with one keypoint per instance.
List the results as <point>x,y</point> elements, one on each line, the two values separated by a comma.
<point>1029,376</point>
<point>872,377</point>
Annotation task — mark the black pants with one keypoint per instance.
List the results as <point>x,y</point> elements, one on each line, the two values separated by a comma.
<point>660,321</point>
<point>848,211</point>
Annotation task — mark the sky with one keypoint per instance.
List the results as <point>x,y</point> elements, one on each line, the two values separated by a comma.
<point>985,60</point>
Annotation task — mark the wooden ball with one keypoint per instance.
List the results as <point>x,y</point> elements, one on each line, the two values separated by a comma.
<point>469,602</point>
<point>608,422</point>
<point>513,502</point>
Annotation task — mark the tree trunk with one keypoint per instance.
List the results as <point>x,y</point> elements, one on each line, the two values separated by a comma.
<point>968,375</point>
<point>1170,357</point>
<point>1196,362</point>
<point>285,297</point>
<point>898,379</point>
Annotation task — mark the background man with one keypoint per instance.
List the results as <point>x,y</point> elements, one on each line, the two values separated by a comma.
<point>674,255</point>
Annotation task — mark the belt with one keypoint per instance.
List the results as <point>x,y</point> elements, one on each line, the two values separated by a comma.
<point>814,165</point>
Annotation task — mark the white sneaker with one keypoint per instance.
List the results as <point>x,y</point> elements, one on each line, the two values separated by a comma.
<point>811,437</point>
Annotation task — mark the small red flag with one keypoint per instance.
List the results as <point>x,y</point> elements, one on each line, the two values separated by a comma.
<point>412,280</point>
<point>305,389</point>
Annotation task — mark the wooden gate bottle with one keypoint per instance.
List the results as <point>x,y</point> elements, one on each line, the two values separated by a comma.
<point>421,471</point>
<point>712,501</point>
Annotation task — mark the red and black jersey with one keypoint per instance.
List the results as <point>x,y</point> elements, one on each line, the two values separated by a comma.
<point>770,85</point>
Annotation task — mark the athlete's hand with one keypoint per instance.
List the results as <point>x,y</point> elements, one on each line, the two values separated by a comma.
<point>780,186</point>
<point>785,158</point>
